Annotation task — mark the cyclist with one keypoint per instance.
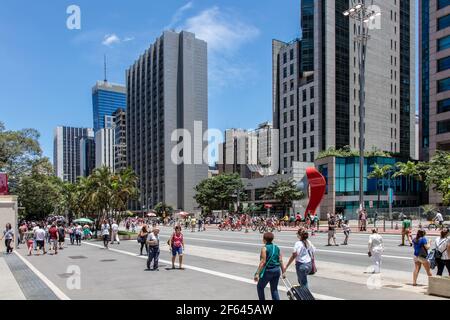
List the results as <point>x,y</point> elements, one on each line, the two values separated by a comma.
<point>440,219</point>
<point>406,231</point>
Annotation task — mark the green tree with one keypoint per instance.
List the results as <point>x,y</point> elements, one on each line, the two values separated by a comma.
<point>19,150</point>
<point>285,191</point>
<point>163,209</point>
<point>438,171</point>
<point>379,173</point>
<point>408,170</point>
<point>219,193</point>
<point>445,187</point>
<point>40,193</point>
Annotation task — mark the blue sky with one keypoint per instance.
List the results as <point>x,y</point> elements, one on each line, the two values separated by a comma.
<point>47,70</point>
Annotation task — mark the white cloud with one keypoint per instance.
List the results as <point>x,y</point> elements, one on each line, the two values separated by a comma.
<point>225,34</point>
<point>110,39</point>
<point>179,14</point>
<point>222,31</point>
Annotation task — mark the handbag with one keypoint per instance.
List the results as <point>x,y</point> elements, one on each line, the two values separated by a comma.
<point>313,263</point>
<point>423,253</point>
<point>437,253</point>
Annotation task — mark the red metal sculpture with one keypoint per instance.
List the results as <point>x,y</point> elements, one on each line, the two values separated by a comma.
<point>317,187</point>
<point>3,184</point>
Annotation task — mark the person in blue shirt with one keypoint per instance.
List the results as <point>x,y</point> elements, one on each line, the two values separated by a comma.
<point>421,247</point>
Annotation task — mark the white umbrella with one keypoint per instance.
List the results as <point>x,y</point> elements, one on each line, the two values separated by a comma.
<point>151,214</point>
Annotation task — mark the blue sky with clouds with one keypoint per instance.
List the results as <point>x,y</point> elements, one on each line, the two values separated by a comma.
<point>47,71</point>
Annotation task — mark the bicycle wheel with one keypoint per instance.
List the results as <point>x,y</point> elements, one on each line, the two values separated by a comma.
<point>227,227</point>
<point>254,227</point>
<point>239,228</point>
<point>279,228</point>
<point>432,226</point>
<point>262,229</point>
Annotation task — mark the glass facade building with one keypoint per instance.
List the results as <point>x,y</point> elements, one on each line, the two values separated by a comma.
<point>342,177</point>
<point>106,99</point>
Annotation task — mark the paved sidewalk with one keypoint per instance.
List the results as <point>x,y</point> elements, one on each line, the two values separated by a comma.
<point>10,289</point>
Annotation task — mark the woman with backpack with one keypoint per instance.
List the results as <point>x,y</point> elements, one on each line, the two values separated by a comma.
<point>142,239</point>
<point>442,248</point>
<point>303,254</point>
<point>269,269</point>
<point>421,247</point>
<point>176,245</point>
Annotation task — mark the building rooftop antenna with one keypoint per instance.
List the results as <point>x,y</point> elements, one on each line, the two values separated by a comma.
<point>104,62</point>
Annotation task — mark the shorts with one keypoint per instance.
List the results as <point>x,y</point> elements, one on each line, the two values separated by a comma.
<point>331,233</point>
<point>30,244</point>
<point>53,241</point>
<point>40,244</point>
<point>106,237</point>
<point>177,250</point>
<point>420,259</point>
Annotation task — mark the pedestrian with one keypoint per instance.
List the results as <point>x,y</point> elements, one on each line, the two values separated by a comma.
<point>153,249</point>
<point>8,235</point>
<point>29,238</point>
<point>270,268</point>
<point>332,230</point>
<point>193,223</point>
<point>78,233</point>
<point>142,239</point>
<point>303,254</point>
<point>115,233</point>
<point>346,229</point>
<point>39,235</point>
<point>442,247</point>
<point>376,249</point>
<point>71,231</point>
<point>105,233</point>
<point>22,230</point>
<point>53,236</point>
<point>421,247</point>
<point>406,231</point>
<point>176,245</point>
<point>61,236</point>
<point>200,222</point>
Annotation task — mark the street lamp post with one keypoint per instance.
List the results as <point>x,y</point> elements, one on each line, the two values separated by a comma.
<point>361,13</point>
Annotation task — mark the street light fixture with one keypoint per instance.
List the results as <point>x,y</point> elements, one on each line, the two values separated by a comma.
<point>362,14</point>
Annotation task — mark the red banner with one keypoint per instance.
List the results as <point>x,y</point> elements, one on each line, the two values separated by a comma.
<point>3,184</point>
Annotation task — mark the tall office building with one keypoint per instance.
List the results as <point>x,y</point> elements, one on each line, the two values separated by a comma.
<point>66,151</point>
<point>434,94</point>
<point>87,156</point>
<point>120,140</point>
<point>104,148</point>
<point>315,82</point>
<point>106,99</point>
<point>168,90</point>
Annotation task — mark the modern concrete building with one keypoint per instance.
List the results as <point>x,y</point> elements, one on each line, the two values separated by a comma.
<point>168,91</point>
<point>247,152</point>
<point>434,88</point>
<point>120,140</point>
<point>87,156</point>
<point>106,99</point>
<point>315,82</point>
<point>104,148</point>
<point>66,151</point>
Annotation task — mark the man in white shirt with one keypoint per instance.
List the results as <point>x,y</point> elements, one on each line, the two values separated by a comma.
<point>115,233</point>
<point>105,233</point>
<point>439,218</point>
<point>153,249</point>
<point>376,248</point>
<point>39,235</point>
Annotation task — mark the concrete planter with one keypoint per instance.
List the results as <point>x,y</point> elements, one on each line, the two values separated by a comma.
<point>439,286</point>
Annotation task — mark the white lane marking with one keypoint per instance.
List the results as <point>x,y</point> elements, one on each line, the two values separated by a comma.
<point>212,272</point>
<point>285,247</point>
<point>61,295</point>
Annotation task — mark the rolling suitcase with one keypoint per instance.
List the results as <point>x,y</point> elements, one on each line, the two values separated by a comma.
<point>297,292</point>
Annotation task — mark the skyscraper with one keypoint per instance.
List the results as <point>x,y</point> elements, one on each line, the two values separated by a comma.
<point>87,156</point>
<point>106,99</point>
<point>168,90</point>
<point>120,140</point>
<point>66,151</point>
<point>104,148</point>
<point>315,82</point>
<point>434,87</point>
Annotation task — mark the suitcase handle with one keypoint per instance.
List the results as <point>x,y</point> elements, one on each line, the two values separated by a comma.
<point>286,283</point>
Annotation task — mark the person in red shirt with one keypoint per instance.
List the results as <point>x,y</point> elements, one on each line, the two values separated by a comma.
<point>54,237</point>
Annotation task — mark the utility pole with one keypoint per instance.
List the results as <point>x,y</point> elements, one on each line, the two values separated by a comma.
<point>362,15</point>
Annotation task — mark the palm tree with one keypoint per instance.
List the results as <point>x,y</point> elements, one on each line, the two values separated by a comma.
<point>410,171</point>
<point>285,191</point>
<point>124,189</point>
<point>379,173</point>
